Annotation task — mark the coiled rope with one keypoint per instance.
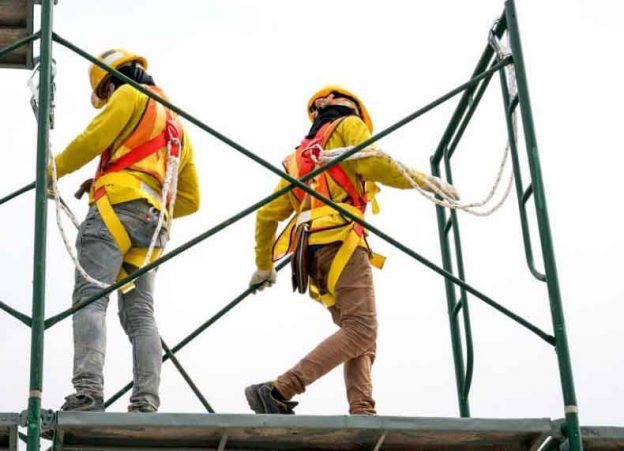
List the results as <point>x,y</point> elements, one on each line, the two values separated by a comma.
<point>480,208</point>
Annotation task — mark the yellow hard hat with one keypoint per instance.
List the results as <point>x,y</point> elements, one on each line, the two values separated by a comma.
<point>327,90</point>
<point>114,58</point>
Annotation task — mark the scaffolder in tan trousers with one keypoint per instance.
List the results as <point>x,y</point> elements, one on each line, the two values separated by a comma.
<point>330,252</point>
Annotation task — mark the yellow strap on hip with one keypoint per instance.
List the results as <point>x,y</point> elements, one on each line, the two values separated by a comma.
<point>342,257</point>
<point>114,225</point>
<point>327,210</point>
<point>125,179</point>
<point>349,245</point>
<point>377,260</point>
<point>131,255</point>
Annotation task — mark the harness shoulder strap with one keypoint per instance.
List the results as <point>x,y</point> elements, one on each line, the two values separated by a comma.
<point>169,133</point>
<point>301,157</point>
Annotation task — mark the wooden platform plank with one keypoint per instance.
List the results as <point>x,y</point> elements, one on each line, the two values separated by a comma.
<point>8,431</point>
<point>16,22</point>
<point>98,431</point>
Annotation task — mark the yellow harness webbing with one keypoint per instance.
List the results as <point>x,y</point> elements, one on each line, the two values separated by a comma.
<point>342,257</point>
<point>131,255</point>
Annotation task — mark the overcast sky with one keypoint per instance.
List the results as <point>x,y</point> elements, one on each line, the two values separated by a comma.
<point>247,68</point>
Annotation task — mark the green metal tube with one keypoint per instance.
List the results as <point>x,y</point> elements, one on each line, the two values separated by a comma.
<point>17,193</point>
<point>19,43</point>
<point>16,314</point>
<point>468,116</point>
<point>186,377</point>
<point>466,97</point>
<point>38,303</point>
<point>463,299</point>
<point>294,182</point>
<point>55,319</point>
<point>563,354</point>
<point>469,84</point>
<point>190,337</point>
<point>452,305</point>
<point>299,183</point>
<point>513,149</point>
<point>166,257</point>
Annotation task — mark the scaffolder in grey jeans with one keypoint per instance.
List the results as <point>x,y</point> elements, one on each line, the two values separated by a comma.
<point>101,258</point>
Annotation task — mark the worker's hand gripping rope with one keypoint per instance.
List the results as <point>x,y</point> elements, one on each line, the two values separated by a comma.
<point>447,189</point>
<point>447,195</point>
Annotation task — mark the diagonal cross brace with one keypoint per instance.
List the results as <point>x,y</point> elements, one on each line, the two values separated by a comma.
<point>301,184</point>
<point>190,337</point>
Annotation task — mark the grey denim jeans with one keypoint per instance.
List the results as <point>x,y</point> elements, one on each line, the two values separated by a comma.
<point>101,258</point>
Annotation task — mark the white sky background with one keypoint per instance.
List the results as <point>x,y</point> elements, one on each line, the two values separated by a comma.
<point>247,69</point>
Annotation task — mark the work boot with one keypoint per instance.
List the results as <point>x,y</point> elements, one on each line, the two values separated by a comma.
<point>82,402</point>
<point>261,400</point>
<point>133,408</point>
<point>77,402</point>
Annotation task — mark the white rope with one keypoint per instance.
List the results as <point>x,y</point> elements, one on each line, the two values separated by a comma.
<point>445,201</point>
<point>474,208</point>
<point>60,206</point>
<point>169,191</point>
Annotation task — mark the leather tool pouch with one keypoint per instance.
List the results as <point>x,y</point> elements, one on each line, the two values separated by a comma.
<point>299,262</point>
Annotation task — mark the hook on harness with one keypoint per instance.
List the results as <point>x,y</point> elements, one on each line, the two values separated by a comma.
<point>34,88</point>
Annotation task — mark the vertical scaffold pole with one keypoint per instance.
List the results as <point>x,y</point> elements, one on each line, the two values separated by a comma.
<point>563,353</point>
<point>38,303</point>
<point>451,300</point>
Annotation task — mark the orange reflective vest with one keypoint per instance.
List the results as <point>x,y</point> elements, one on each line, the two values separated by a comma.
<point>316,216</point>
<point>156,138</point>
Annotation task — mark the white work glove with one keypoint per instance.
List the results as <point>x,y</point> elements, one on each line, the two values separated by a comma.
<point>268,276</point>
<point>441,185</point>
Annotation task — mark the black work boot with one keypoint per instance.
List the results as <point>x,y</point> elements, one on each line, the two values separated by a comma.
<point>261,400</point>
<point>142,408</point>
<point>77,402</point>
<point>82,402</point>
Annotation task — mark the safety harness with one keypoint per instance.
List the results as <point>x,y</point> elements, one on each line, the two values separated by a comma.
<point>164,146</point>
<point>314,216</point>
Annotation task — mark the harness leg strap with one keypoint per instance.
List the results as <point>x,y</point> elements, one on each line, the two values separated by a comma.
<point>349,245</point>
<point>118,232</point>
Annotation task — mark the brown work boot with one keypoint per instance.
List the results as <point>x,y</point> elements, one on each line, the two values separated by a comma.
<point>261,400</point>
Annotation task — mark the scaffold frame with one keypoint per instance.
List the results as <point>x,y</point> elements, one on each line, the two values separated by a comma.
<point>471,93</point>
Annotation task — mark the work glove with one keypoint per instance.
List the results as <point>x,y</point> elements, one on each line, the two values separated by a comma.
<point>268,276</point>
<point>441,185</point>
<point>84,188</point>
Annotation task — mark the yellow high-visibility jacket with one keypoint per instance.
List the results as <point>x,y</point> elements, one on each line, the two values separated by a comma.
<point>350,132</point>
<point>110,129</point>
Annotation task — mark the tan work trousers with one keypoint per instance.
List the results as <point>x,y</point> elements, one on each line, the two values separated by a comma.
<point>354,344</point>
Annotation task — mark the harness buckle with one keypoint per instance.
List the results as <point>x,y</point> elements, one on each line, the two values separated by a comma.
<point>172,135</point>
<point>313,152</point>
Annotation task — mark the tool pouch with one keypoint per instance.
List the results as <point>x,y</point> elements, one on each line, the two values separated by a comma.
<point>299,262</point>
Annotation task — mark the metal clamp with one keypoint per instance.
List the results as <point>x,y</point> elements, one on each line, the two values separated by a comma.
<point>34,100</point>
<point>48,419</point>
